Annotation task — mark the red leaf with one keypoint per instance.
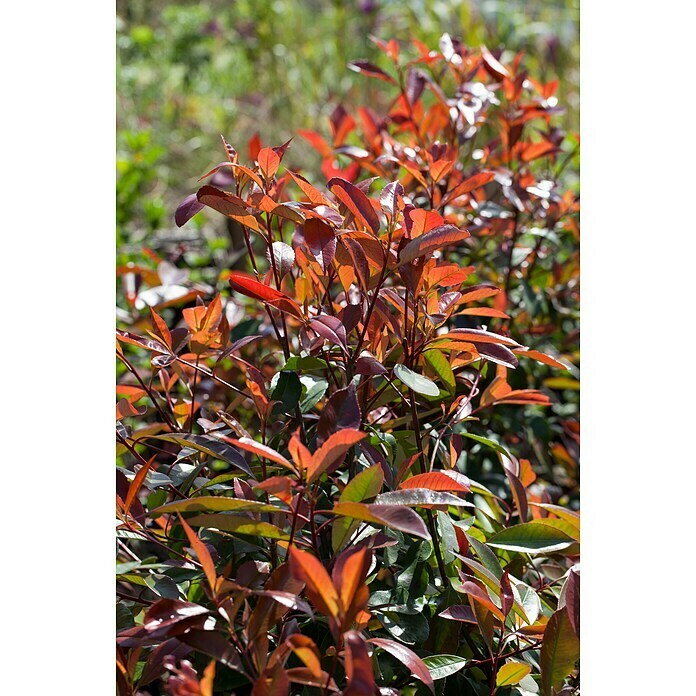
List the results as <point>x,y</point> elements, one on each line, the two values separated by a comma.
<point>459,612</point>
<point>507,598</point>
<point>187,209</point>
<point>392,198</point>
<point>572,599</point>
<point>493,65</point>
<point>227,204</point>
<point>371,70</point>
<point>360,264</point>
<point>395,516</point>
<point>431,241</point>
<point>249,286</point>
<point>316,197</point>
<point>475,593</point>
<point>356,201</point>
<point>468,185</point>
<point>408,658</point>
<point>166,617</point>
<point>349,575</point>
<point>535,150</point>
<point>330,328</point>
<point>136,483</point>
<point>321,240</point>
<point>542,358</point>
<point>260,450</point>
<point>341,411</point>
<point>361,680</point>
<point>202,553</point>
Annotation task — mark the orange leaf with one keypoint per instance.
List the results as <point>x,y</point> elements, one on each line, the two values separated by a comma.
<point>136,483</point>
<point>305,648</point>
<point>269,161</point>
<point>202,553</point>
<point>316,197</point>
<point>334,449</point>
<point>318,585</point>
<point>437,481</point>
<point>349,575</point>
<point>299,453</point>
<point>542,358</point>
<point>260,450</point>
<point>473,182</point>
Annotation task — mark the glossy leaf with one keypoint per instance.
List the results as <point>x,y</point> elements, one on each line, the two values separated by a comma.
<point>419,383</point>
<point>432,241</point>
<point>393,516</point>
<point>512,673</point>
<point>531,537</point>
<point>408,658</point>
<point>442,666</point>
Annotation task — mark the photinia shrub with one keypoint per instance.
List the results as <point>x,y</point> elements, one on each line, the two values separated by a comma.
<point>311,495</point>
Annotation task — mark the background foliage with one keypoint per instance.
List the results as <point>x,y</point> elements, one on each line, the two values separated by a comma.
<point>190,71</point>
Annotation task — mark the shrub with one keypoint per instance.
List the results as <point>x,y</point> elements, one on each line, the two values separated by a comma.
<point>311,496</point>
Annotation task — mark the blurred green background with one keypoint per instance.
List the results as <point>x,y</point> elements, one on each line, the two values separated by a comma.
<point>188,71</point>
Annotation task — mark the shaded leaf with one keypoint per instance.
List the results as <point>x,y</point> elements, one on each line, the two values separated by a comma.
<point>238,525</point>
<point>559,652</point>
<point>212,504</point>
<point>187,209</point>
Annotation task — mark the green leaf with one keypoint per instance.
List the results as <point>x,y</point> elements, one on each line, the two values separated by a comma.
<point>124,616</point>
<point>442,666</point>
<point>488,443</point>
<point>316,388</point>
<point>412,629</point>
<point>559,652</point>
<point>419,384</point>
<point>511,673</point>
<point>486,556</point>
<point>437,360</point>
<point>238,525</point>
<point>295,363</point>
<point>286,388</point>
<point>162,585</point>
<point>367,484</point>
<point>531,537</point>
<point>213,504</point>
